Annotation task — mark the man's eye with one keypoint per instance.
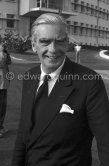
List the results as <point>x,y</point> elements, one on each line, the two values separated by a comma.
<point>45,42</point>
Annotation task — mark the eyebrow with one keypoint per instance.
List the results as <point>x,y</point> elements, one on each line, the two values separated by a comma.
<point>48,39</point>
<point>44,39</point>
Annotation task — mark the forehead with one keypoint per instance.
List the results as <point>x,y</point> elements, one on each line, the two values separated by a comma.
<point>51,31</point>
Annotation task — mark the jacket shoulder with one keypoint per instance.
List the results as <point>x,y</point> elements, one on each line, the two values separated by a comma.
<point>80,69</point>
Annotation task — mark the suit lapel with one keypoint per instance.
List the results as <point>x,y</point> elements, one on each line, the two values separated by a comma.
<point>29,96</point>
<point>59,94</point>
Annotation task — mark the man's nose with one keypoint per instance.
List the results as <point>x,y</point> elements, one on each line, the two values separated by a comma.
<point>52,47</point>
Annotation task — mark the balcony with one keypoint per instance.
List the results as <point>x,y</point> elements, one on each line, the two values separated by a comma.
<point>33,8</point>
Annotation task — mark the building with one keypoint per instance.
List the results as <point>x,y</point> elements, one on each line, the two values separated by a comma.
<point>88,21</point>
<point>9,17</point>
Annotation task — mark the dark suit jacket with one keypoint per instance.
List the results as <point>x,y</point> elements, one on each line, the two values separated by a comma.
<point>64,139</point>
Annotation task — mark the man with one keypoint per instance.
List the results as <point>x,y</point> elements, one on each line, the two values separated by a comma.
<point>5,60</point>
<point>58,130</point>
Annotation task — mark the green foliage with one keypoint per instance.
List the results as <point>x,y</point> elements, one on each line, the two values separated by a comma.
<point>15,42</point>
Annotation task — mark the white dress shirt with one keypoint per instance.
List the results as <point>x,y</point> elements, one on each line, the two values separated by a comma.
<point>54,76</point>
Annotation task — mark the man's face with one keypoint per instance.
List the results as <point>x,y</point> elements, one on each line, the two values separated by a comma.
<point>51,46</point>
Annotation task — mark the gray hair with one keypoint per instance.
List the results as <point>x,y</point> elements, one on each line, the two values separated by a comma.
<point>48,18</point>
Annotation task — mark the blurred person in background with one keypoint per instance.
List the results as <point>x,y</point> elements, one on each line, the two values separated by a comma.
<point>5,60</point>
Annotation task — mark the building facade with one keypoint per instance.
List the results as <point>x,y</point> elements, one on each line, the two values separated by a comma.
<point>88,21</point>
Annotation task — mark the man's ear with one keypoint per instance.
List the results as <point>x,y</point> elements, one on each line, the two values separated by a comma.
<point>34,46</point>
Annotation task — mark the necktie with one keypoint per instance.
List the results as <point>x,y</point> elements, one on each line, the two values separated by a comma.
<point>40,100</point>
<point>43,89</point>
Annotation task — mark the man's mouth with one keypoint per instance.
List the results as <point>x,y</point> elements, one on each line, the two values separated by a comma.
<point>52,57</point>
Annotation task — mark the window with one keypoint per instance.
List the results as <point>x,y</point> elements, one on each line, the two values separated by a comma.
<point>68,22</point>
<point>75,7</point>
<point>10,16</point>
<point>82,24</point>
<point>44,3</point>
<point>82,2</point>
<point>88,10</point>
<point>75,1</point>
<point>90,32</point>
<point>53,4</point>
<point>81,30</point>
<point>83,7</point>
<point>87,25</point>
<point>11,0</point>
<point>10,21</point>
<point>75,27</point>
<point>87,31</point>
<point>75,23</point>
<point>38,3</point>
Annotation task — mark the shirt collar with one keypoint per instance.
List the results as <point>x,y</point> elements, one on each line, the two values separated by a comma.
<point>54,74</point>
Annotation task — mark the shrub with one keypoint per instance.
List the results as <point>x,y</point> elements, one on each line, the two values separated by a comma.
<point>7,40</point>
<point>21,44</point>
<point>15,42</point>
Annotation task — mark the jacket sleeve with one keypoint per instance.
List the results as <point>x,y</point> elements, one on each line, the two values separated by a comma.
<point>8,59</point>
<point>98,118</point>
<point>20,145</point>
